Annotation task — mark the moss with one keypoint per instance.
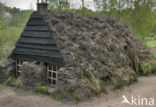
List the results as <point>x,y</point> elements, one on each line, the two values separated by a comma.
<point>145,69</point>
<point>42,89</point>
<point>10,81</point>
<point>103,83</point>
<point>58,98</point>
<point>77,97</point>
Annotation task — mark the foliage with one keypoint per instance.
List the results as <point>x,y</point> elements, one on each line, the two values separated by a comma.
<point>10,81</point>
<point>77,97</point>
<point>153,67</point>
<point>58,98</point>
<point>103,83</point>
<point>59,5</point>
<point>42,89</point>
<point>151,43</point>
<point>153,56</point>
<point>145,69</point>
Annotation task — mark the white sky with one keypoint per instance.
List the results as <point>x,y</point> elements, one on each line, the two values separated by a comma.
<point>27,4</point>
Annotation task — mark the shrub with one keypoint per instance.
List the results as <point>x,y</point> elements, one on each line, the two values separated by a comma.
<point>145,69</point>
<point>77,97</point>
<point>42,89</point>
<point>58,98</point>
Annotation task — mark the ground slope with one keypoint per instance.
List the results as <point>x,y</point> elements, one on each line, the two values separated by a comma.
<point>145,87</point>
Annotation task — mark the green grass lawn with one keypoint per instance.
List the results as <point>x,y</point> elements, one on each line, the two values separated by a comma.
<point>151,44</point>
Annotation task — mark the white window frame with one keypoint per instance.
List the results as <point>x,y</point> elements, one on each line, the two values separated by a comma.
<point>51,71</point>
<point>19,65</point>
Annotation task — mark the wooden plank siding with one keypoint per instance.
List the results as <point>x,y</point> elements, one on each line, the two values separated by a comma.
<point>36,43</point>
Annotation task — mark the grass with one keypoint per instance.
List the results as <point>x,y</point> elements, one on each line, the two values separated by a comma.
<point>1,59</point>
<point>1,87</point>
<point>8,38</point>
<point>42,89</point>
<point>77,97</point>
<point>58,98</point>
<point>151,44</point>
<point>10,81</point>
<point>103,83</point>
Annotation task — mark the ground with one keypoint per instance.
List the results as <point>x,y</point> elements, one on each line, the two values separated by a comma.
<point>145,87</point>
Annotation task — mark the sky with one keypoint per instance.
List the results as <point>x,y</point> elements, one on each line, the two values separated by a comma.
<point>31,4</point>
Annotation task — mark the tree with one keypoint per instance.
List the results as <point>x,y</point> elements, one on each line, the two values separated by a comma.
<point>59,5</point>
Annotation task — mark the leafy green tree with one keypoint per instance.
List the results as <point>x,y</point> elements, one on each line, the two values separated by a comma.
<point>59,5</point>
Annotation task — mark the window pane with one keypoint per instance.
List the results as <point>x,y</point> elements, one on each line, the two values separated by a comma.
<point>21,62</point>
<point>58,68</point>
<point>54,82</point>
<point>49,80</point>
<point>54,68</point>
<point>50,67</point>
<point>17,68</point>
<point>49,74</point>
<point>17,61</point>
<point>18,74</point>
<point>54,75</point>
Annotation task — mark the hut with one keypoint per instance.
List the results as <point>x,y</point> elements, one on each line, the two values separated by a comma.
<point>92,53</point>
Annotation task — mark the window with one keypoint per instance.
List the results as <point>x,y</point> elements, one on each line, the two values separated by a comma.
<point>19,64</point>
<point>52,74</point>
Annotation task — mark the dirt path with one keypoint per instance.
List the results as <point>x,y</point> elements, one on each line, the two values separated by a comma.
<point>145,87</point>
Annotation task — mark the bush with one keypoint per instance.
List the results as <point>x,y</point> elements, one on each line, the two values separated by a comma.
<point>145,69</point>
<point>42,89</point>
<point>77,97</point>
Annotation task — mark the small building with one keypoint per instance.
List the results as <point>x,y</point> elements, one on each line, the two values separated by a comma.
<point>81,55</point>
<point>36,43</point>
